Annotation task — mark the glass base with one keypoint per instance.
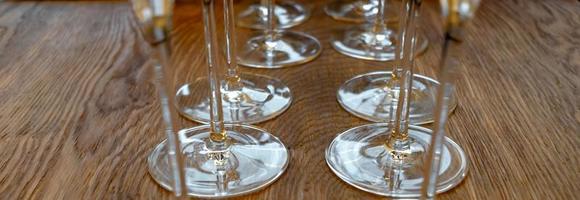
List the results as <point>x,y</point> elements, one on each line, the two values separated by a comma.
<point>287,48</point>
<point>261,98</point>
<point>360,11</point>
<point>286,15</point>
<point>362,43</point>
<point>366,96</point>
<point>255,160</point>
<point>360,158</point>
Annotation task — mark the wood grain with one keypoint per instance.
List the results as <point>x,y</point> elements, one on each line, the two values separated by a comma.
<point>79,114</point>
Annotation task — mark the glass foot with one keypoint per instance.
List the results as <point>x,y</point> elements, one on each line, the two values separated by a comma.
<point>254,160</point>
<point>359,157</point>
<point>286,15</point>
<point>362,43</point>
<point>360,11</point>
<point>366,96</point>
<point>285,49</point>
<point>261,98</point>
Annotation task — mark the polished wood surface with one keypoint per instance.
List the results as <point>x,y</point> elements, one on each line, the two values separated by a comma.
<point>79,112</point>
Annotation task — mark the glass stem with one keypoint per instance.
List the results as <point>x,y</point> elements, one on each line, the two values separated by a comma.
<point>161,55</point>
<point>233,83</point>
<point>270,22</point>
<point>447,76</point>
<point>405,60</point>
<point>217,131</point>
<point>379,23</point>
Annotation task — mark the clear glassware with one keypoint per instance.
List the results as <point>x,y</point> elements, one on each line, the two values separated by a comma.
<point>388,158</point>
<point>154,19</point>
<point>273,48</point>
<point>221,160</point>
<point>373,41</point>
<point>246,98</point>
<point>367,95</point>
<point>287,14</point>
<point>359,11</point>
<point>457,14</point>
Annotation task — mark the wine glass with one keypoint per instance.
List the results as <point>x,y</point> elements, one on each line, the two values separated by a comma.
<point>221,160</point>
<point>154,19</point>
<point>246,98</point>
<point>287,14</point>
<point>274,48</point>
<point>358,11</point>
<point>388,158</point>
<point>456,14</point>
<point>367,95</point>
<point>373,41</point>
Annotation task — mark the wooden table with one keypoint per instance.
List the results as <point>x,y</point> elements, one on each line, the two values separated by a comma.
<point>79,115</point>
